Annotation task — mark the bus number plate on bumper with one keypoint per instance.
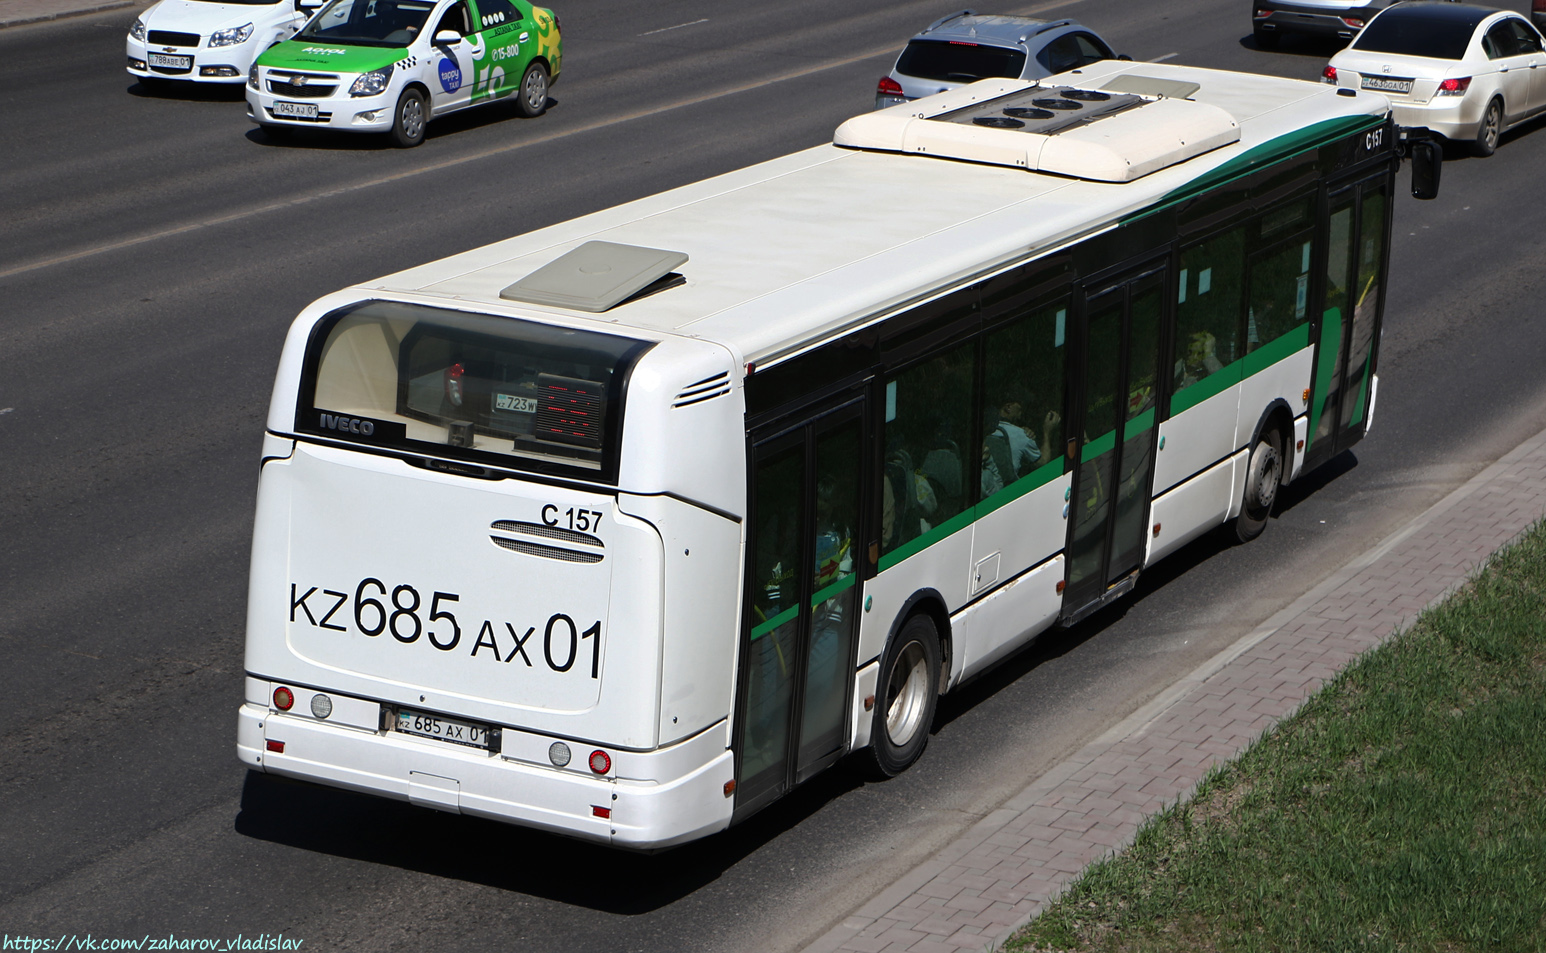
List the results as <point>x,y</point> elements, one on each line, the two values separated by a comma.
<point>296,110</point>
<point>443,729</point>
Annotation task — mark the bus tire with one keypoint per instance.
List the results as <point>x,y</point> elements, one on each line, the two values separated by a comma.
<point>409,118</point>
<point>1263,476</point>
<point>1488,130</point>
<point>532,98</point>
<point>906,695</point>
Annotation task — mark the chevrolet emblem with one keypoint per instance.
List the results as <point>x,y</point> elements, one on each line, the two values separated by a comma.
<point>297,81</point>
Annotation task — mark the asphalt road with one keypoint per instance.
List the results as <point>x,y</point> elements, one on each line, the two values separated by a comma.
<point>153,249</point>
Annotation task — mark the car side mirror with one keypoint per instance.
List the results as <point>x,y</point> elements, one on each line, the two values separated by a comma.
<point>447,38</point>
<point>1427,164</point>
<point>307,6</point>
<point>1124,57</point>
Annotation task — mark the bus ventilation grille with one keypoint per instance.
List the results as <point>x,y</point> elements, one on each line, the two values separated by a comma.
<point>706,389</point>
<point>555,533</point>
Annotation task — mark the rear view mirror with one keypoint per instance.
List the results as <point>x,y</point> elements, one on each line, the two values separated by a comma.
<point>447,38</point>
<point>1427,164</point>
<point>308,6</point>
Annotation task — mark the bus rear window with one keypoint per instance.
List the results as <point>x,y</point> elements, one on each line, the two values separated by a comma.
<point>495,390</point>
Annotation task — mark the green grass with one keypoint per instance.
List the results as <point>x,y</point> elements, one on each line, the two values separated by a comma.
<point>1402,808</point>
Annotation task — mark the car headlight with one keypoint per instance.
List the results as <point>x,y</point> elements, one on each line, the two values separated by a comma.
<point>369,84</point>
<point>137,30</point>
<point>252,76</point>
<point>231,37</point>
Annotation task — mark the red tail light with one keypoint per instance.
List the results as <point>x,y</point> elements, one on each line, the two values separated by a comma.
<point>888,87</point>
<point>1263,14</point>
<point>1329,74</point>
<point>1353,22</point>
<point>1455,87</point>
<point>600,762</point>
<point>284,699</point>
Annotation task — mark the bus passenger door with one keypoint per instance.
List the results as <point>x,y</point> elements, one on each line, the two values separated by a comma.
<point>1350,321</point>
<point>1112,436</point>
<point>802,597</point>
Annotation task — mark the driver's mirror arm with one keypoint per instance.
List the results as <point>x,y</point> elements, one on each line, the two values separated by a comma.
<point>1419,144</point>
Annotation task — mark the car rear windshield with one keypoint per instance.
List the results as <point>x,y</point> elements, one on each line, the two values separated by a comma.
<point>487,389</point>
<point>1442,32</point>
<point>952,61</point>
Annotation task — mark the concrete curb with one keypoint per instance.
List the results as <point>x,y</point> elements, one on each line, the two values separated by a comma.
<point>1001,872</point>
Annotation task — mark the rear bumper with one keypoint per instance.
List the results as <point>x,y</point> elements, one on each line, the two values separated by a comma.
<point>461,780</point>
<point>1310,21</point>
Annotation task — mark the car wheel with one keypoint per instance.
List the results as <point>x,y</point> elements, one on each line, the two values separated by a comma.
<point>1263,475</point>
<point>1265,39</point>
<point>409,119</point>
<point>1487,133</point>
<point>908,690</point>
<point>532,99</point>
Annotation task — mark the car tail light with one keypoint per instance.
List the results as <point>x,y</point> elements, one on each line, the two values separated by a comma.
<point>1455,87</point>
<point>1329,74</point>
<point>1263,14</point>
<point>1353,22</point>
<point>888,87</point>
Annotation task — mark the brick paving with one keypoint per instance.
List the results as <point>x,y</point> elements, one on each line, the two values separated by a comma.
<point>999,874</point>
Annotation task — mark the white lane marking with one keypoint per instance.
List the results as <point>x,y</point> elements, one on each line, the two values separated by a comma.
<point>1167,56</point>
<point>888,50</point>
<point>6,410</point>
<point>677,27</point>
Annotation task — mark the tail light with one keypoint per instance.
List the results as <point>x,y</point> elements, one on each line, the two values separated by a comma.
<point>1263,14</point>
<point>1329,74</point>
<point>1455,87</point>
<point>888,87</point>
<point>1353,22</point>
<point>284,699</point>
<point>600,762</point>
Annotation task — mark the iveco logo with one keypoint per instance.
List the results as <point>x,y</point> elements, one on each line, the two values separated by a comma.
<point>297,81</point>
<point>348,424</point>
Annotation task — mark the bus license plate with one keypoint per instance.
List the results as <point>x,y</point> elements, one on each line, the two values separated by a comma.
<point>296,110</point>
<point>1387,84</point>
<point>169,62</point>
<point>442,728</point>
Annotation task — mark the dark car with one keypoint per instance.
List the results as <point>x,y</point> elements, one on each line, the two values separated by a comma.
<point>1341,19</point>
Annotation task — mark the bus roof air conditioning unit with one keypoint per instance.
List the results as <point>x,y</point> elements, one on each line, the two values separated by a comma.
<point>598,276</point>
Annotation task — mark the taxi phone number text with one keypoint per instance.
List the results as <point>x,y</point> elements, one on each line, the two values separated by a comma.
<point>561,644</point>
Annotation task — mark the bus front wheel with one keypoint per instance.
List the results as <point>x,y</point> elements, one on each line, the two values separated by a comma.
<point>1263,476</point>
<point>908,690</point>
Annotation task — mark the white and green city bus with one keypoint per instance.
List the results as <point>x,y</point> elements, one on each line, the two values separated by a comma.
<point>624,527</point>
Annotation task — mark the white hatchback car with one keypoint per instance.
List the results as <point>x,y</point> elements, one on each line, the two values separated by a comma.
<point>1463,71</point>
<point>210,41</point>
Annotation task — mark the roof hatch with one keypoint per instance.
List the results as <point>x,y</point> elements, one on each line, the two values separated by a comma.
<point>1127,129</point>
<point>597,276</point>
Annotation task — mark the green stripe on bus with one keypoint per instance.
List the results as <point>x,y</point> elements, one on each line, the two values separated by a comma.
<point>1142,423</point>
<point>1274,351</point>
<point>1038,477</point>
<point>758,631</point>
<point>837,588</point>
<point>1325,369</point>
<point>1363,391</point>
<point>962,519</point>
<point>1105,443</point>
<point>1211,386</point>
<point>1274,150</point>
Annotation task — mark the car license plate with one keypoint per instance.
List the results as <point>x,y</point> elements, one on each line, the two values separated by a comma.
<point>169,62</point>
<point>1387,84</point>
<point>442,728</point>
<point>296,110</point>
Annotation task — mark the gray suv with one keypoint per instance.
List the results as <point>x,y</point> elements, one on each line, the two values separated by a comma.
<point>965,47</point>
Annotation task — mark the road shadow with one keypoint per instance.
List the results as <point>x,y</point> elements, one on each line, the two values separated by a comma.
<point>299,137</point>
<point>186,91</point>
<point>1294,44</point>
<point>592,876</point>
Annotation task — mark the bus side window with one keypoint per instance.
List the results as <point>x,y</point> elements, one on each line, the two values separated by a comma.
<point>1278,301</point>
<point>1023,373</point>
<point>928,428</point>
<point>1208,305</point>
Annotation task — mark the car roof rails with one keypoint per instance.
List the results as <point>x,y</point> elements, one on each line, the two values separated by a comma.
<point>944,20</point>
<point>1045,26</point>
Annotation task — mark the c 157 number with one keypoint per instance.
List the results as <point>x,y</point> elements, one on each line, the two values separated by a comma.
<point>401,612</point>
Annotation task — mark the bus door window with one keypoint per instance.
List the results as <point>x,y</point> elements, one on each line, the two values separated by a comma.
<point>1100,380</point>
<point>1339,253</point>
<point>1145,305</point>
<point>1023,398</point>
<point>1365,304</point>
<point>928,426</point>
<point>1280,276</point>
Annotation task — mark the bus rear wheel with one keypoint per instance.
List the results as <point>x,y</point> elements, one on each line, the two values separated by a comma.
<point>908,690</point>
<point>1263,476</point>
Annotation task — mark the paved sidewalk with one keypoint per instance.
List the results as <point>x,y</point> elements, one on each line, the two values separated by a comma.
<point>1002,872</point>
<point>22,12</point>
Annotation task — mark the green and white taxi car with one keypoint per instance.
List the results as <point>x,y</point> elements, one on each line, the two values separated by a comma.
<point>392,65</point>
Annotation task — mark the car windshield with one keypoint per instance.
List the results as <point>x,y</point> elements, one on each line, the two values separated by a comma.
<point>368,22</point>
<point>1441,33</point>
<point>953,61</point>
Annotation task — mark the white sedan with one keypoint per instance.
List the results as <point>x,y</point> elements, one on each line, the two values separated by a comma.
<point>1466,72</point>
<point>210,41</point>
